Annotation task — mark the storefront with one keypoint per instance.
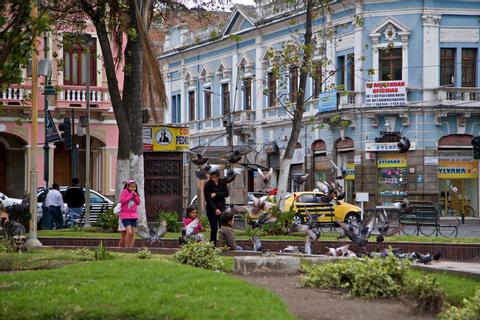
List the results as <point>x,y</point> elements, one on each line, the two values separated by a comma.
<point>457,176</point>
<point>345,151</point>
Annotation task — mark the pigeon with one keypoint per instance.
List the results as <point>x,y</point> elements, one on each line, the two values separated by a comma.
<point>423,258</point>
<point>159,232</point>
<point>257,244</point>
<point>359,234</point>
<point>437,256</point>
<point>259,205</point>
<point>234,156</point>
<point>199,159</point>
<point>201,173</point>
<point>301,179</point>
<point>193,202</point>
<point>291,249</point>
<point>265,218</point>
<point>266,176</point>
<point>385,229</point>
<point>343,171</point>
<point>236,210</point>
<point>338,252</point>
<point>311,231</point>
<point>190,228</point>
<point>231,174</point>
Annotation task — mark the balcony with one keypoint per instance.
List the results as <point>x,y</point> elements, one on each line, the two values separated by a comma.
<point>76,97</point>
<point>465,97</point>
<point>16,95</point>
<point>349,99</point>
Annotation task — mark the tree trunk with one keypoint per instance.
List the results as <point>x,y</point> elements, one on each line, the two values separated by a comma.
<point>299,109</point>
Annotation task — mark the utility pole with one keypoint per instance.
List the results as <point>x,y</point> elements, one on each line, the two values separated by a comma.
<point>87,152</point>
<point>46,148</point>
<point>32,234</point>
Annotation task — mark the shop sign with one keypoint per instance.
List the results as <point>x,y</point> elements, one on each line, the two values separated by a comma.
<point>298,156</point>
<point>457,170</point>
<point>165,139</point>
<point>430,161</point>
<point>385,146</point>
<point>350,171</point>
<point>357,159</point>
<point>327,101</point>
<point>385,94</point>
<point>457,155</point>
<point>392,161</point>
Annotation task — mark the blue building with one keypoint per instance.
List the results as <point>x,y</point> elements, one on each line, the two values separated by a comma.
<point>410,68</point>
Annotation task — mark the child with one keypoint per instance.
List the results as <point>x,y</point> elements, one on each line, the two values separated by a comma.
<point>226,234</point>
<point>129,200</point>
<point>192,215</point>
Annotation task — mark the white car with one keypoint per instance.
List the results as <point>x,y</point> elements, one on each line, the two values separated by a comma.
<point>7,202</point>
<point>98,203</point>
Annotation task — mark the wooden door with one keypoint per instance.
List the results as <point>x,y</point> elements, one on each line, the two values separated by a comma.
<point>3,167</point>
<point>61,166</point>
<point>163,183</point>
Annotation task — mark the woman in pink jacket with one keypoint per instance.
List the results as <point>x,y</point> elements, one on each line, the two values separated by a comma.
<point>129,200</point>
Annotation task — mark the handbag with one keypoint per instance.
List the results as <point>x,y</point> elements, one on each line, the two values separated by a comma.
<point>117,208</point>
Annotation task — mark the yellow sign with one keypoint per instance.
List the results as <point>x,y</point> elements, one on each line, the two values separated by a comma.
<point>392,161</point>
<point>457,170</point>
<point>166,138</point>
<point>350,171</point>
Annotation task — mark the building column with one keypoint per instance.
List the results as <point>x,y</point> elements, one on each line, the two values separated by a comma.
<point>405,59</point>
<point>331,57</point>
<point>359,53</point>
<point>431,55</point>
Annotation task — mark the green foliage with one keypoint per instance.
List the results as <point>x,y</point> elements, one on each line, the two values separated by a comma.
<point>204,220</point>
<point>357,276</point>
<point>144,253</point>
<point>5,246</point>
<point>101,252</point>
<point>173,225</point>
<point>200,254</point>
<point>235,37</point>
<point>469,311</point>
<point>107,220</point>
<point>85,252</point>
<point>20,213</point>
<point>427,294</point>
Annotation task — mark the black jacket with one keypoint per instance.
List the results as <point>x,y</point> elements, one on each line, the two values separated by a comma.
<point>221,192</point>
<point>74,197</point>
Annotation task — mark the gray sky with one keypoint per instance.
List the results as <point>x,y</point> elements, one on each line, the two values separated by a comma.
<point>246,2</point>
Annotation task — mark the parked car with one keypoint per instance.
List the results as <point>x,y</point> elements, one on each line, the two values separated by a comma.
<point>7,201</point>
<point>98,203</point>
<point>301,202</point>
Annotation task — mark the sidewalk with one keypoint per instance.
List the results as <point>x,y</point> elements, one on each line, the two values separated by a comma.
<point>471,269</point>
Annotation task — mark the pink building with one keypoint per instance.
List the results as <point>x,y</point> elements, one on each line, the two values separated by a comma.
<point>70,70</point>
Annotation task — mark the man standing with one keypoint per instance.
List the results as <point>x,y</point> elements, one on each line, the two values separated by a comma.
<point>75,200</point>
<point>54,203</point>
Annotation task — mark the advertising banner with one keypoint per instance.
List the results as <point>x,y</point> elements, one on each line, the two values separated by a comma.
<point>166,138</point>
<point>385,146</point>
<point>385,94</point>
<point>350,171</point>
<point>457,170</point>
<point>52,133</point>
<point>327,101</point>
<point>392,161</point>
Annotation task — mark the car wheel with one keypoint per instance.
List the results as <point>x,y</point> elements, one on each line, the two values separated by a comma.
<point>352,217</point>
<point>297,220</point>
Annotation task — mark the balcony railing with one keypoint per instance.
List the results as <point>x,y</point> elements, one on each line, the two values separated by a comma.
<point>459,96</point>
<point>76,96</point>
<point>15,94</point>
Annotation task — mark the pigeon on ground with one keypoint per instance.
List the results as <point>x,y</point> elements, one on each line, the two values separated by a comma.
<point>338,252</point>
<point>159,232</point>
<point>257,244</point>
<point>291,249</point>
<point>423,258</point>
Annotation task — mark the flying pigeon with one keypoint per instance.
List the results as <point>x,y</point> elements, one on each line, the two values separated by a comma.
<point>343,172</point>
<point>359,234</point>
<point>200,158</point>
<point>266,176</point>
<point>301,179</point>
<point>231,174</point>
<point>194,200</point>
<point>265,218</point>
<point>234,156</point>
<point>312,233</point>
<point>190,228</point>
<point>259,205</point>
<point>160,231</point>
<point>385,229</point>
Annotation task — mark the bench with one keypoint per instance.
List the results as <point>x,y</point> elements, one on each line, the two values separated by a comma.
<point>319,209</point>
<point>426,219</point>
<point>95,210</point>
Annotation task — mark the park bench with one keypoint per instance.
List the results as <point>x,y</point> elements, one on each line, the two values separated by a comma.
<point>95,210</point>
<point>324,211</point>
<point>425,219</point>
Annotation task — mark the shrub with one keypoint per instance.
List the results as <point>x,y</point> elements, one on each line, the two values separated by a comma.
<point>20,213</point>
<point>5,246</point>
<point>101,253</point>
<point>427,294</point>
<point>171,218</point>
<point>357,276</point>
<point>144,253</point>
<point>107,220</point>
<point>200,254</point>
<point>469,311</point>
<point>85,252</point>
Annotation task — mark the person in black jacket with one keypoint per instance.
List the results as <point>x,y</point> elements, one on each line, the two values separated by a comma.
<point>75,200</point>
<point>215,192</point>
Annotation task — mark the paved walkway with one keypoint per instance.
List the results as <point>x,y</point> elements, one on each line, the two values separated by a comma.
<point>465,268</point>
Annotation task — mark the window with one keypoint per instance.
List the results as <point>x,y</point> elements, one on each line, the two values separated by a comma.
<point>351,72</point>
<point>307,198</point>
<point>225,98</point>
<point>317,81</point>
<point>469,67</point>
<point>341,71</point>
<point>80,60</point>
<point>447,66</point>
<point>391,64</point>
<point>248,93</point>
<point>191,105</point>
<point>293,83</point>
<point>176,108</point>
<point>208,102</point>
<point>272,90</point>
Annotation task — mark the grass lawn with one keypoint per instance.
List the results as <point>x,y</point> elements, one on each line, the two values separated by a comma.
<point>455,287</point>
<point>241,235</point>
<point>129,288</point>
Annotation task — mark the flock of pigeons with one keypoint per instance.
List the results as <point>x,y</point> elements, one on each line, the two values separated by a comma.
<point>261,213</point>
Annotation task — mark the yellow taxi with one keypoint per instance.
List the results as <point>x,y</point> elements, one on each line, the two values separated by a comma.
<point>311,202</point>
